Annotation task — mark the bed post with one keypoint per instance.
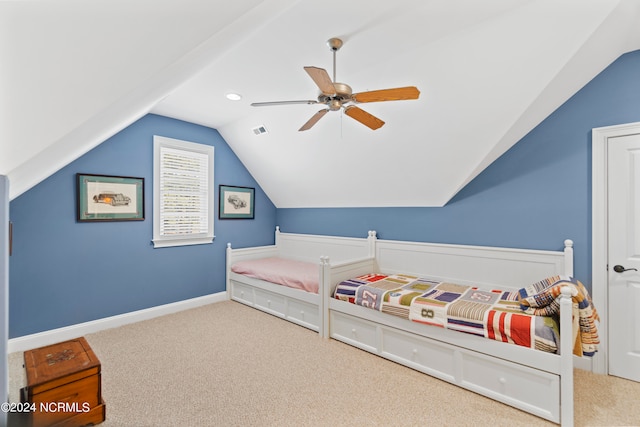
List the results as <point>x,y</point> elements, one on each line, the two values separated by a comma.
<point>566,341</point>
<point>228,269</point>
<point>277,238</point>
<point>323,293</point>
<point>568,257</point>
<point>371,241</point>
<point>566,357</point>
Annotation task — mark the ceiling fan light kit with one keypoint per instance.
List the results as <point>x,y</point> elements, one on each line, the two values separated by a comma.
<point>336,96</point>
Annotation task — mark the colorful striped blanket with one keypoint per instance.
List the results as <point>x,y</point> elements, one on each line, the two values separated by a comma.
<point>542,299</point>
<point>494,314</point>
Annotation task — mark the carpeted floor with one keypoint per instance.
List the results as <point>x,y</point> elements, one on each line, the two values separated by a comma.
<point>229,365</point>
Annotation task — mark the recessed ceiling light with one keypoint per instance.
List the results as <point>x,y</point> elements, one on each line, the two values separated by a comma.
<point>233,96</point>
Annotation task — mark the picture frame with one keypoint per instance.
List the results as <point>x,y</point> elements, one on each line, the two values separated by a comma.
<point>236,202</point>
<point>109,198</point>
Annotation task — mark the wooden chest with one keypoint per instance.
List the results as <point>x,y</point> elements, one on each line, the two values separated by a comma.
<point>64,385</point>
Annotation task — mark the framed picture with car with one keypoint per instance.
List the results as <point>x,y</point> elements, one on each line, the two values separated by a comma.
<point>236,202</point>
<point>109,198</point>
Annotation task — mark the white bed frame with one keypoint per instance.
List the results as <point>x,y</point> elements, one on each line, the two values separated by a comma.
<point>295,305</point>
<point>534,381</point>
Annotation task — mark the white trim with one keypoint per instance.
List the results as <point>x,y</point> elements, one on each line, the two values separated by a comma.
<point>40,339</point>
<point>4,293</point>
<point>165,243</point>
<point>584,363</point>
<point>599,236</point>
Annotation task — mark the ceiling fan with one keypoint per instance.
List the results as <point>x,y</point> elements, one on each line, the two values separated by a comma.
<point>339,95</point>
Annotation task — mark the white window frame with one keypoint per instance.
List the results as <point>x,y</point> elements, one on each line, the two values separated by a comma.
<point>161,241</point>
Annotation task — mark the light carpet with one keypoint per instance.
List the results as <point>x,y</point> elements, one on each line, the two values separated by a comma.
<point>226,364</point>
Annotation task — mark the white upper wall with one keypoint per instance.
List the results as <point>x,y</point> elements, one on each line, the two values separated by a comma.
<point>76,72</point>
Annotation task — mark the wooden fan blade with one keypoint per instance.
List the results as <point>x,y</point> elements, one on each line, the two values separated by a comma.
<point>313,120</point>
<point>363,117</point>
<point>322,79</point>
<point>397,94</point>
<point>268,104</point>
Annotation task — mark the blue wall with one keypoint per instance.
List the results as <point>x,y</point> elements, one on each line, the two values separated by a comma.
<point>534,196</point>
<point>63,272</point>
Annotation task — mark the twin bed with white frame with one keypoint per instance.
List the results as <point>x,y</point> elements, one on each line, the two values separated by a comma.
<point>534,381</point>
<point>296,305</point>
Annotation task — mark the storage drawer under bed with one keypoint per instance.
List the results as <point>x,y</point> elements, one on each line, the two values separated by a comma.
<point>430,357</point>
<point>242,293</point>
<point>303,313</point>
<point>532,390</point>
<point>523,387</point>
<point>300,312</point>
<point>270,302</point>
<point>354,331</point>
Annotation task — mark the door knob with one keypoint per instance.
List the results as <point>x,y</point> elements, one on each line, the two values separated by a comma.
<point>621,269</point>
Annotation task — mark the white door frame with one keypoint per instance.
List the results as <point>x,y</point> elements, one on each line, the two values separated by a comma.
<point>599,236</point>
<point>4,294</point>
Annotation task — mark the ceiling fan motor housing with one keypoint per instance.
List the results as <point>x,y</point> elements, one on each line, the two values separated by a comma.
<point>335,101</point>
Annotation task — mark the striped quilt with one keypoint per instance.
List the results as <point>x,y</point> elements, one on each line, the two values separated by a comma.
<point>494,314</point>
<point>541,299</point>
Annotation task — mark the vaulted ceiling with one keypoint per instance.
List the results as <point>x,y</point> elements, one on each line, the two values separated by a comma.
<point>76,72</point>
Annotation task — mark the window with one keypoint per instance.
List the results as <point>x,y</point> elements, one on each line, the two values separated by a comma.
<point>182,193</point>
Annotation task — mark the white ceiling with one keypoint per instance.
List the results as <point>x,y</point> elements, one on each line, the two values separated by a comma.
<point>488,72</point>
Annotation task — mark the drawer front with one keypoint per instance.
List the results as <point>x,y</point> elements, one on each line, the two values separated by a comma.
<point>93,417</point>
<point>66,401</point>
<point>269,302</point>
<point>431,357</point>
<point>304,314</point>
<point>242,293</point>
<point>354,331</point>
<point>529,389</point>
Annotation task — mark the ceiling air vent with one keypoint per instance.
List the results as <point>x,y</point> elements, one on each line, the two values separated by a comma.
<point>260,130</point>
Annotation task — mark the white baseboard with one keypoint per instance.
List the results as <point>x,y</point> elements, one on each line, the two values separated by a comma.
<point>27,342</point>
<point>584,363</point>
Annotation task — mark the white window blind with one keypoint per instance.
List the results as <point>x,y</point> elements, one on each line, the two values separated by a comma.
<point>183,192</point>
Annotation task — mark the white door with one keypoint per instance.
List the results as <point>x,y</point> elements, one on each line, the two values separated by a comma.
<point>624,256</point>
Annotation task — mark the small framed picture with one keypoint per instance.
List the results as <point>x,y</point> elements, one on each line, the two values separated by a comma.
<point>236,202</point>
<point>109,198</point>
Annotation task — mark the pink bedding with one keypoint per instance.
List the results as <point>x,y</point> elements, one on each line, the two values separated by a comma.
<point>294,274</point>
